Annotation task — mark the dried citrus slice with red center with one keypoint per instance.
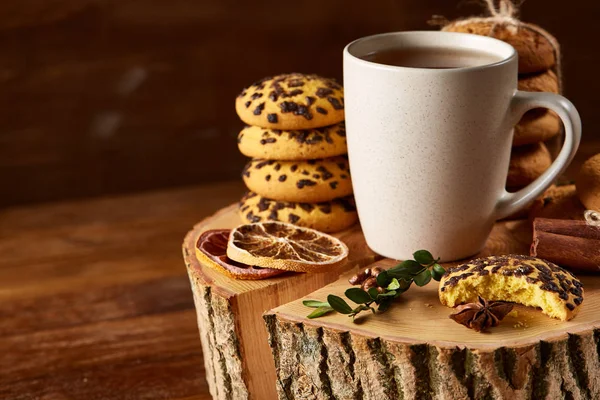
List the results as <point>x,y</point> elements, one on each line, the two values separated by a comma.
<point>285,246</point>
<point>211,250</point>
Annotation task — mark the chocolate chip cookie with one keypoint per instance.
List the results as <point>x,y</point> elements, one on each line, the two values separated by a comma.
<point>292,101</point>
<point>329,216</point>
<point>309,181</point>
<point>309,144</point>
<point>521,279</point>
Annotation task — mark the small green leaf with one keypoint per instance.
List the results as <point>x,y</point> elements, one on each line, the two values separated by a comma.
<point>423,278</point>
<point>405,284</point>
<point>439,269</point>
<point>406,268</point>
<point>384,305</point>
<point>339,304</point>
<point>437,272</point>
<point>401,275</point>
<point>435,275</point>
<point>394,284</point>
<point>391,293</point>
<point>319,312</point>
<point>399,292</point>
<point>358,295</point>
<point>373,292</point>
<point>383,279</point>
<point>423,257</point>
<point>315,303</point>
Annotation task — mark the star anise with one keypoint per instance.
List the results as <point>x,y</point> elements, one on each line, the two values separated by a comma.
<point>482,314</point>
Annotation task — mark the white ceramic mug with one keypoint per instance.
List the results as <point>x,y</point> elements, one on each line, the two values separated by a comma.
<point>429,148</point>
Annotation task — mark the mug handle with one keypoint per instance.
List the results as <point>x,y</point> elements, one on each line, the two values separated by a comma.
<point>522,102</point>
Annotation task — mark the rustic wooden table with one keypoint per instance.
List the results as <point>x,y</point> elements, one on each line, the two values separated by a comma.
<point>95,302</point>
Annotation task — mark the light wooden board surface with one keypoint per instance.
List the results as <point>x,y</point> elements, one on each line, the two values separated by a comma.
<point>419,317</point>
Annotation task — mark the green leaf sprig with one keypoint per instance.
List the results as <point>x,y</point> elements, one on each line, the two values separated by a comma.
<point>391,284</point>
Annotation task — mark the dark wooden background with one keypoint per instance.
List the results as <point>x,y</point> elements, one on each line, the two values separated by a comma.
<point>109,96</point>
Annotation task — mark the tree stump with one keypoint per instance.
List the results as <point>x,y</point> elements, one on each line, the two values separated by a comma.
<point>237,356</point>
<point>414,351</point>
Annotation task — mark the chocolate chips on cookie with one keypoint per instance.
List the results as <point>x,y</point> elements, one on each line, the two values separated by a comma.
<point>296,138</point>
<point>292,101</point>
<point>330,216</point>
<point>521,279</point>
<point>309,181</point>
<point>276,144</point>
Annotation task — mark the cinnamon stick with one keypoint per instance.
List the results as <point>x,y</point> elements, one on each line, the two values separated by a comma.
<point>569,243</point>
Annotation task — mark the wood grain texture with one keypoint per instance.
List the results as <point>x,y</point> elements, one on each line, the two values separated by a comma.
<point>415,351</point>
<point>237,356</point>
<point>95,302</point>
<point>112,96</point>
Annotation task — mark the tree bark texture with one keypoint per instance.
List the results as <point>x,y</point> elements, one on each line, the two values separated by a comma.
<point>315,362</point>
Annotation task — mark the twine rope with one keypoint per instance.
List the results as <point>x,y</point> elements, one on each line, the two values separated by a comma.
<point>505,13</point>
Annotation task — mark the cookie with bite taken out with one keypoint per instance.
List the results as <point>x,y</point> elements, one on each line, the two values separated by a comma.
<point>516,278</point>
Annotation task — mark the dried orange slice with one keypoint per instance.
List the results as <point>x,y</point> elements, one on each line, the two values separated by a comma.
<point>211,249</point>
<point>285,246</point>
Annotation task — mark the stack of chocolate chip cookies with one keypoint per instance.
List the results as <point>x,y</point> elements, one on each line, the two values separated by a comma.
<point>538,59</point>
<point>296,138</point>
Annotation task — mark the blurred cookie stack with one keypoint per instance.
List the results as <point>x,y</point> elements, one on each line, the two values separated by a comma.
<point>538,66</point>
<point>296,138</point>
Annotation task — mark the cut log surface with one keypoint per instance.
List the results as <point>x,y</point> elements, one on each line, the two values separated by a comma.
<point>234,340</point>
<point>414,351</point>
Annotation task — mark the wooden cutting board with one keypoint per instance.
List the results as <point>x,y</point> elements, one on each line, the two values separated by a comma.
<point>237,357</point>
<point>414,351</point>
